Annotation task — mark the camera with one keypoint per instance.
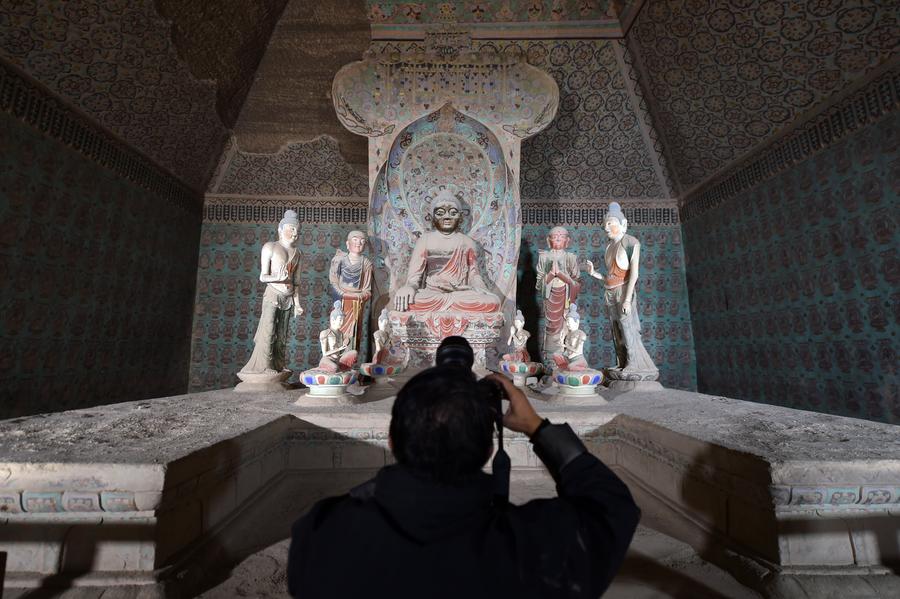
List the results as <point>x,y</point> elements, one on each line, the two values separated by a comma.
<point>456,351</point>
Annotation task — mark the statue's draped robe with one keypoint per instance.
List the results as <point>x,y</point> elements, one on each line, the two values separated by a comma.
<point>631,356</point>
<point>448,280</point>
<point>348,278</point>
<point>557,297</point>
<point>270,349</point>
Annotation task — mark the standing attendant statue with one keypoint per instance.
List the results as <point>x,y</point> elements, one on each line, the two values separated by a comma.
<point>350,276</point>
<point>559,283</point>
<point>622,257</point>
<point>279,270</point>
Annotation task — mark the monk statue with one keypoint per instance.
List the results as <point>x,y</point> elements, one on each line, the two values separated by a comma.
<point>571,354</point>
<point>443,268</point>
<point>558,283</point>
<point>622,257</point>
<point>337,355</point>
<point>350,276</point>
<point>280,271</point>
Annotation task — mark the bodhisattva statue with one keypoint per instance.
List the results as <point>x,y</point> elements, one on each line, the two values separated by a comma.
<point>622,257</point>
<point>337,355</point>
<point>443,269</point>
<point>279,270</point>
<point>351,284</point>
<point>571,354</point>
<point>559,283</point>
<point>384,342</point>
<point>518,339</point>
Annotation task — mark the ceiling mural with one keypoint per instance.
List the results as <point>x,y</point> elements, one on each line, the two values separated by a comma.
<point>114,60</point>
<point>594,148</point>
<point>224,42</point>
<point>724,77</point>
<point>290,99</point>
<point>475,11</point>
<point>309,169</point>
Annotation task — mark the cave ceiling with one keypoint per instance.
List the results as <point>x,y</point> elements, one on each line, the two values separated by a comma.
<point>722,77</point>
<point>290,99</point>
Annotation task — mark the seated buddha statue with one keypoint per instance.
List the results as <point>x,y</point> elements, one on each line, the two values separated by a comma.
<point>443,268</point>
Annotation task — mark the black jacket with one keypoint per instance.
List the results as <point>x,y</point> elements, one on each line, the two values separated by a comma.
<point>400,535</point>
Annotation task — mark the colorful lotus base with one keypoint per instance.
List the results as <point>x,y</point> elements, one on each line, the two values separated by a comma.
<point>520,371</point>
<point>379,370</point>
<point>328,384</point>
<point>578,382</point>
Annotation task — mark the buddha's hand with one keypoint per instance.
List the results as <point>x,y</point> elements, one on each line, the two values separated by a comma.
<point>405,296</point>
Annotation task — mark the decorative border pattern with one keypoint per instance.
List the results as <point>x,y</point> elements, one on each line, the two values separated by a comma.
<point>875,100</point>
<point>231,209</point>
<point>27,100</point>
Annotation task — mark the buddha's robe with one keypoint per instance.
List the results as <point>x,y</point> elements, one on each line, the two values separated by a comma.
<point>444,272</point>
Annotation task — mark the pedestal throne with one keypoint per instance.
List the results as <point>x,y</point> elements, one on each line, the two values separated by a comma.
<point>445,127</point>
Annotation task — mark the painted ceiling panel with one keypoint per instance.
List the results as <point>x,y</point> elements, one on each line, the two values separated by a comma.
<point>725,76</point>
<point>114,59</point>
<point>594,148</point>
<point>223,41</point>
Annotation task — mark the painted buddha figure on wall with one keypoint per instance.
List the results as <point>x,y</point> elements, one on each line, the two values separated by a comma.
<point>443,273</point>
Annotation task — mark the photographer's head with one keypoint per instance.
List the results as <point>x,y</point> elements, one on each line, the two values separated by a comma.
<point>441,426</point>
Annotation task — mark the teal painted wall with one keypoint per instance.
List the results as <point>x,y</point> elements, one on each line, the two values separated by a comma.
<point>98,280</point>
<point>795,283</point>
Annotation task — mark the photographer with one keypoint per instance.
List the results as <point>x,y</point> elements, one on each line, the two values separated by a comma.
<point>433,525</point>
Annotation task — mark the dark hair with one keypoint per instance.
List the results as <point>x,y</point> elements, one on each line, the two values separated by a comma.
<point>441,427</point>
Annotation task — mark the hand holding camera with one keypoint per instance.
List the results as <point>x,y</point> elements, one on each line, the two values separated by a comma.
<point>520,416</point>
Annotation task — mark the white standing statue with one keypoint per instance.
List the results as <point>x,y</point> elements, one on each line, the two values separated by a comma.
<point>280,271</point>
<point>622,258</point>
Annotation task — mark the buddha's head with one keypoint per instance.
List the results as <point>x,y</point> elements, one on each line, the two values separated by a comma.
<point>356,242</point>
<point>615,224</point>
<point>558,238</point>
<point>446,212</point>
<point>289,228</point>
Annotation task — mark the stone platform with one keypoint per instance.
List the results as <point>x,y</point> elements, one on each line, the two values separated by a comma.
<point>151,495</point>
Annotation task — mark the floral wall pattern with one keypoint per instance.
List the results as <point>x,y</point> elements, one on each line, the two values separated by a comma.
<point>725,76</point>
<point>98,280</point>
<point>115,60</point>
<point>594,147</point>
<point>794,283</point>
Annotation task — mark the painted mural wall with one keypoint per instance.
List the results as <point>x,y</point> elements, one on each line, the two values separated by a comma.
<point>97,257</point>
<point>795,282</point>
